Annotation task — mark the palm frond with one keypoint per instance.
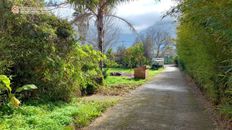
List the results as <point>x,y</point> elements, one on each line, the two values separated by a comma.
<point>125,21</point>
<point>81,18</point>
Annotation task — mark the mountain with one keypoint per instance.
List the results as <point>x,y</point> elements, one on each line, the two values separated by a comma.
<point>169,25</point>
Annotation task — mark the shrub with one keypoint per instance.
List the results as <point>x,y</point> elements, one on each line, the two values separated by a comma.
<point>40,49</point>
<point>8,97</point>
<point>134,56</point>
<point>84,62</point>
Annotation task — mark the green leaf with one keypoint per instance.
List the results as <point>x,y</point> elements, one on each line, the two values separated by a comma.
<point>26,88</point>
<point>14,101</point>
<point>5,81</point>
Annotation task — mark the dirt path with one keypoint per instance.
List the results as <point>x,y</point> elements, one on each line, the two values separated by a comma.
<point>166,103</point>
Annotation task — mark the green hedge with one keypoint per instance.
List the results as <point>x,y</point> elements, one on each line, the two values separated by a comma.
<point>205,46</point>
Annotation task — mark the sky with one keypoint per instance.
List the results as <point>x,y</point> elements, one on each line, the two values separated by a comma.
<point>142,14</point>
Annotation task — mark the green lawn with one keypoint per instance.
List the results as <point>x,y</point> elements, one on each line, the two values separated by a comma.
<point>121,85</point>
<point>54,116</point>
<point>120,70</point>
<point>123,80</point>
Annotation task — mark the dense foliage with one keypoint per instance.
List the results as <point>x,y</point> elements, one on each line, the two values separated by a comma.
<point>205,46</point>
<point>8,98</point>
<point>40,49</point>
<point>54,115</point>
<point>131,57</point>
<point>97,10</point>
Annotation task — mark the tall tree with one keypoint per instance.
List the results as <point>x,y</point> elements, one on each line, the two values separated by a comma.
<point>98,9</point>
<point>111,37</point>
<point>157,41</point>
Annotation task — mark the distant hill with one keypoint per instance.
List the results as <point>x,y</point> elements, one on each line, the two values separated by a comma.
<point>168,25</point>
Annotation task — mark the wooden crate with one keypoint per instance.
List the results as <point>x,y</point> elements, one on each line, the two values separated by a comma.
<point>140,72</point>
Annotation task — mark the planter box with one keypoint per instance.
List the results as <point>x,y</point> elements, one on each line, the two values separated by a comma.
<point>140,72</point>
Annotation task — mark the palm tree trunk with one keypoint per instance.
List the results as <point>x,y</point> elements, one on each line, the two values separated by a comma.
<point>100,28</point>
<point>158,52</point>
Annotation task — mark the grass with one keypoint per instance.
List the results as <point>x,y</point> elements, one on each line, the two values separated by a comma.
<point>54,116</point>
<point>66,116</point>
<point>120,70</point>
<point>123,80</point>
<point>226,110</point>
<point>121,85</point>
<point>113,81</point>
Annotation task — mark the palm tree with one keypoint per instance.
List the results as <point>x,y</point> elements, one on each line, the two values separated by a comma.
<point>99,9</point>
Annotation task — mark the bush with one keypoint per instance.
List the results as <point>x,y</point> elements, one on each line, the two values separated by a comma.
<point>85,63</point>
<point>134,56</point>
<point>156,66</point>
<point>40,49</point>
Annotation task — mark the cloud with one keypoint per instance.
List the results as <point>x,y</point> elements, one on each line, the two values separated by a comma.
<point>143,21</point>
<point>143,7</point>
<point>143,13</point>
<point>140,13</point>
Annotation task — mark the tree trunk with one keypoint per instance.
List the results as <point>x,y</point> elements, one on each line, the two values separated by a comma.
<point>100,29</point>
<point>158,52</point>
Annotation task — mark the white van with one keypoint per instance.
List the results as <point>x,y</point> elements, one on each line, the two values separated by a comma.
<point>158,61</point>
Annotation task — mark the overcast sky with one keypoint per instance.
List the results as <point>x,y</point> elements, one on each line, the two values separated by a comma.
<point>141,13</point>
<point>144,13</point>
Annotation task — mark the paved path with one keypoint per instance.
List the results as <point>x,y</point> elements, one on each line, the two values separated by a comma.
<point>166,103</point>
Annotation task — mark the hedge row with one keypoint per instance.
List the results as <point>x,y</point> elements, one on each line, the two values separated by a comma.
<point>205,46</point>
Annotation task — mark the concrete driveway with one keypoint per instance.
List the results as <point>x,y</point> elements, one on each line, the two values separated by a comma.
<point>166,103</point>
